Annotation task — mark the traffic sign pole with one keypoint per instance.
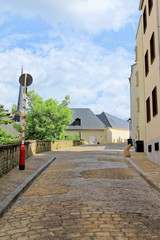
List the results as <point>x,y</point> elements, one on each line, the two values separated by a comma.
<point>22,149</point>
<point>25,80</point>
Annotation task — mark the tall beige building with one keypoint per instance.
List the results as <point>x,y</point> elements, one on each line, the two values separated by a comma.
<point>134,100</point>
<point>148,77</point>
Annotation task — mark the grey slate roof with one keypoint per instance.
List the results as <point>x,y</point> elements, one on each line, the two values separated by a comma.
<point>113,122</point>
<point>88,120</point>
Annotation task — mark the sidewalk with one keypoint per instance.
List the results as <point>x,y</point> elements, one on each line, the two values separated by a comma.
<point>16,181</point>
<point>149,170</point>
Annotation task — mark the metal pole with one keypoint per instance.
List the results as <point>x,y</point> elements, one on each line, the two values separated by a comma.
<point>22,149</point>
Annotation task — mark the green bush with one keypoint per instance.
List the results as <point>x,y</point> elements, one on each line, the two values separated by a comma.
<point>73,137</point>
<point>18,127</point>
<point>7,137</point>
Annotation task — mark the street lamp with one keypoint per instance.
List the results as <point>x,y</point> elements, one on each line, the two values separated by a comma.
<point>130,121</point>
<point>130,139</point>
<point>25,80</point>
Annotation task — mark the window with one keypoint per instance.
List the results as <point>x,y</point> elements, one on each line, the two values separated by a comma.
<point>154,102</point>
<point>150,5</point>
<point>144,20</point>
<point>77,122</point>
<point>149,148</point>
<point>146,64</point>
<point>137,79</point>
<point>137,104</point>
<point>156,146</point>
<point>148,110</point>
<point>136,54</point>
<point>152,48</point>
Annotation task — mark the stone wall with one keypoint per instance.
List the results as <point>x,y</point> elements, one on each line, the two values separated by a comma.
<point>9,154</point>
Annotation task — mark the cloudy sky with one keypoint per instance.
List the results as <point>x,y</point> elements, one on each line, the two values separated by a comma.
<point>81,48</point>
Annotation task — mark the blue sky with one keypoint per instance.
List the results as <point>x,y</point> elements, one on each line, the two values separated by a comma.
<point>81,48</point>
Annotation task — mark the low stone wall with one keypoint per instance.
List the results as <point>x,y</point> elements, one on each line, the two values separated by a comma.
<point>9,154</point>
<point>61,144</point>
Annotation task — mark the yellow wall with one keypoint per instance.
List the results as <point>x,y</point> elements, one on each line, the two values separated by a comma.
<point>113,135</point>
<point>134,102</point>
<point>106,136</point>
<point>85,134</point>
<point>152,80</point>
<point>141,83</point>
<point>149,131</point>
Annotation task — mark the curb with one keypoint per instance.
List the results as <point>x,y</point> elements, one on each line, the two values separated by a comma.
<point>142,174</point>
<point>9,200</point>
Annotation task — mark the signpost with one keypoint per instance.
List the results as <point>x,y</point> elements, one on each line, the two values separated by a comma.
<point>25,80</point>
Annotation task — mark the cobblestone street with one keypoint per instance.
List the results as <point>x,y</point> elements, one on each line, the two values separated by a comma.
<point>87,193</point>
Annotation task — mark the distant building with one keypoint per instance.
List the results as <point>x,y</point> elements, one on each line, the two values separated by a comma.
<point>116,130</point>
<point>148,77</point>
<point>100,129</point>
<point>87,125</point>
<point>113,122</point>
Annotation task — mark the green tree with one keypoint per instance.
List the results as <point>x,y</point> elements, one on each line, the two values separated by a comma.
<point>14,108</point>
<point>48,119</point>
<point>73,137</point>
<point>4,136</point>
<point>4,114</point>
<point>17,126</point>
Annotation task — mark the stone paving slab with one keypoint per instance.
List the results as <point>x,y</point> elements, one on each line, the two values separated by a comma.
<point>69,200</point>
<point>15,182</point>
<point>149,170</point>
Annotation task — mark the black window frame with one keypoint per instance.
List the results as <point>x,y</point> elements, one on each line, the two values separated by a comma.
<point>150,148</point>
<point>148,109</point>
<point>156,146</point>
<point>146,63</point>
<point>152,48</point>
<point>144,20</point>
<point>154,102</point>
<point>150,6</point>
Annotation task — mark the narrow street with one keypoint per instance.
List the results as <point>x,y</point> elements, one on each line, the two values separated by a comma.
<point>87,193</point>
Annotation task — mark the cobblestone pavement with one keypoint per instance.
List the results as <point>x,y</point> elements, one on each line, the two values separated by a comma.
<point>15,177</point>
<point>88,193</point>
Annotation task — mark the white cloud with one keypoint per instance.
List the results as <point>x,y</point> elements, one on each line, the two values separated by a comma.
<point>68,71</point>
<point>93,76</point>
<point>92,15</point>
<point>64,72</point>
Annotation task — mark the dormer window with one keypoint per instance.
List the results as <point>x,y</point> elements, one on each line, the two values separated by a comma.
<point>77,122</point>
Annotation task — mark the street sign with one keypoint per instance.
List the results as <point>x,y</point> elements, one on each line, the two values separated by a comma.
<point>28,81</point>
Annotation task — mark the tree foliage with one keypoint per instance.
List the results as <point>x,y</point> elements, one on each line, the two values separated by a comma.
<point>14,108</point>
<point>73,137</point>
<point>3,114</point>
<point>4,136</point>
<point>46,120</point>
<point>18,127</point>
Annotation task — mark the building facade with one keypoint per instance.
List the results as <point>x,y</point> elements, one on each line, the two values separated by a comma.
<point>97,129</point>
<point>134,104</point>
<point>148,77</point>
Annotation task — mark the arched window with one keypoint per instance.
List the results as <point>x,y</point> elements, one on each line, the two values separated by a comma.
<point>77,122</point>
